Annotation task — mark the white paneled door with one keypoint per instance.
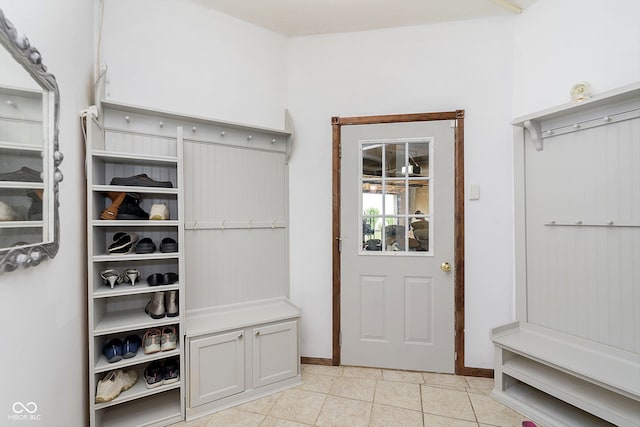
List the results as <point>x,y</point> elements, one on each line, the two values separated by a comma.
<point>397,245</point>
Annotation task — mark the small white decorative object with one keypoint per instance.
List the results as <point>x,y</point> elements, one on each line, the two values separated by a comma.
<point>580,92</point>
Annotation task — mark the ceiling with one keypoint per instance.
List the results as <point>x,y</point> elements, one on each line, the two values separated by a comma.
<point>305,17</point>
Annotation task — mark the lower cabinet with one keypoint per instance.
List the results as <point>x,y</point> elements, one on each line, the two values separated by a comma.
<point>275,353</point>
<point>217,366</point>
<point>236,366</point>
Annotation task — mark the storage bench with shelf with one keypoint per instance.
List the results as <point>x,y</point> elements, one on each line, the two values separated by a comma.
<point>560,379</point>
<point>241,352</point>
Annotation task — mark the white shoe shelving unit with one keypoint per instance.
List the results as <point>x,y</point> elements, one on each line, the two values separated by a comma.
<point>123,144</point>
<point>238,332</point>
<point>22,144</point>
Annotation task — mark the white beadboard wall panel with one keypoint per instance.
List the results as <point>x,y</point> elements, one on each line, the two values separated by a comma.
<point>582,271</point>
<point>235,217</point>
<point>125,142</point>
<point>237,265</point>
<point>21,116</point>
<point>233,184</point>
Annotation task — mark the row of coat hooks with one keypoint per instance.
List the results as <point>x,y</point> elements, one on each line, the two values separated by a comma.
<point>580,223</point>
<point>233,225</point>
<point>194,129</point>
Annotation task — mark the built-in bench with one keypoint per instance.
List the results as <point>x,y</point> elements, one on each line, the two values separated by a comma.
<point>559,379</point>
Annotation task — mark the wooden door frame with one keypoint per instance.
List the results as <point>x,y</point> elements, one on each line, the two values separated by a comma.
<point>458,116</point>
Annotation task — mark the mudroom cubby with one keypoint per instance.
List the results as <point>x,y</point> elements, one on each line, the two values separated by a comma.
<point>241,352</point>
<point>572,358</point>
<point>227,209</point>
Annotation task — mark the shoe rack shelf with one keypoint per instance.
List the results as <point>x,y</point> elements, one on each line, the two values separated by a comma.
<point>103,366</point>
<point>121,151</point>
<point>21,146</point>
<point>139,288</point>
<point>165,405</point>
<point>122,321</point>
<point>138,391</point>
<point>20,224</point>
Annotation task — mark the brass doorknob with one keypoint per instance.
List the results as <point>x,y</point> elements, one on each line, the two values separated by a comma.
<point>446,267</point>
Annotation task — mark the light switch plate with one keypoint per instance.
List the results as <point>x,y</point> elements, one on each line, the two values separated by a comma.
<point>474,192</point>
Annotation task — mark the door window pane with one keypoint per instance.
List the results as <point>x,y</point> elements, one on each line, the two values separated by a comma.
<point>395,195</point>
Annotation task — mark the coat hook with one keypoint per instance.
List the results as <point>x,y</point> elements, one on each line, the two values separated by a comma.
<point>127,119</point>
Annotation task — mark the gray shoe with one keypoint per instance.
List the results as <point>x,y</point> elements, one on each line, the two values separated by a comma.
<point>155,307</point>
<point>171,303</point>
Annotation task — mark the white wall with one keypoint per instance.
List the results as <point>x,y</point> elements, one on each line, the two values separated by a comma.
<point>560,43</point>
<point>182,56</point>
<point>43,315</point>
<point>460,65</point>
<point>482,66</point>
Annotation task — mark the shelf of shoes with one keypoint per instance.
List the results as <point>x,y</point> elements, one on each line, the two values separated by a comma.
<point>103,366</point>
<point>17,193</point>
<point>138,391</point>
<point>126,320</point>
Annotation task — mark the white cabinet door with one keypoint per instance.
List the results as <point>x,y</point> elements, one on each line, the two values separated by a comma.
<point>275,353</point>
<point>216,367</point>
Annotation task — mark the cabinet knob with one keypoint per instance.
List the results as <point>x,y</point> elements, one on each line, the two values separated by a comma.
<point>257,333</point>
<point>240,336</point>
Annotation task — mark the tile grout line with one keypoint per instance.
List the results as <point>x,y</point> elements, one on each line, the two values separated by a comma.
<point>422,404</point>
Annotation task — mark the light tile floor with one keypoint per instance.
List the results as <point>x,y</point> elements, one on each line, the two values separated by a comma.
<point>352,397</point>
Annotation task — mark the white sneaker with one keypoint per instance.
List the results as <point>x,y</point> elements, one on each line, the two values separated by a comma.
<point>159,211</point>
<point>127,378</point>
<point>114,383</point>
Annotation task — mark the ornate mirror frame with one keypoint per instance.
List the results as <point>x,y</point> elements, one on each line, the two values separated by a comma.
<point>29,57</point>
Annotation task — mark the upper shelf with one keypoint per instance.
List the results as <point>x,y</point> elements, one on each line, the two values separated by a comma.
<point>122,119</point>
<point>128,158</point>
<point>128,108</point>
<point>605,108</point>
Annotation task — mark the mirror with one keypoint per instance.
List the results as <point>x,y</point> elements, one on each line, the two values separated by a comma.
<point>29,154</point>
